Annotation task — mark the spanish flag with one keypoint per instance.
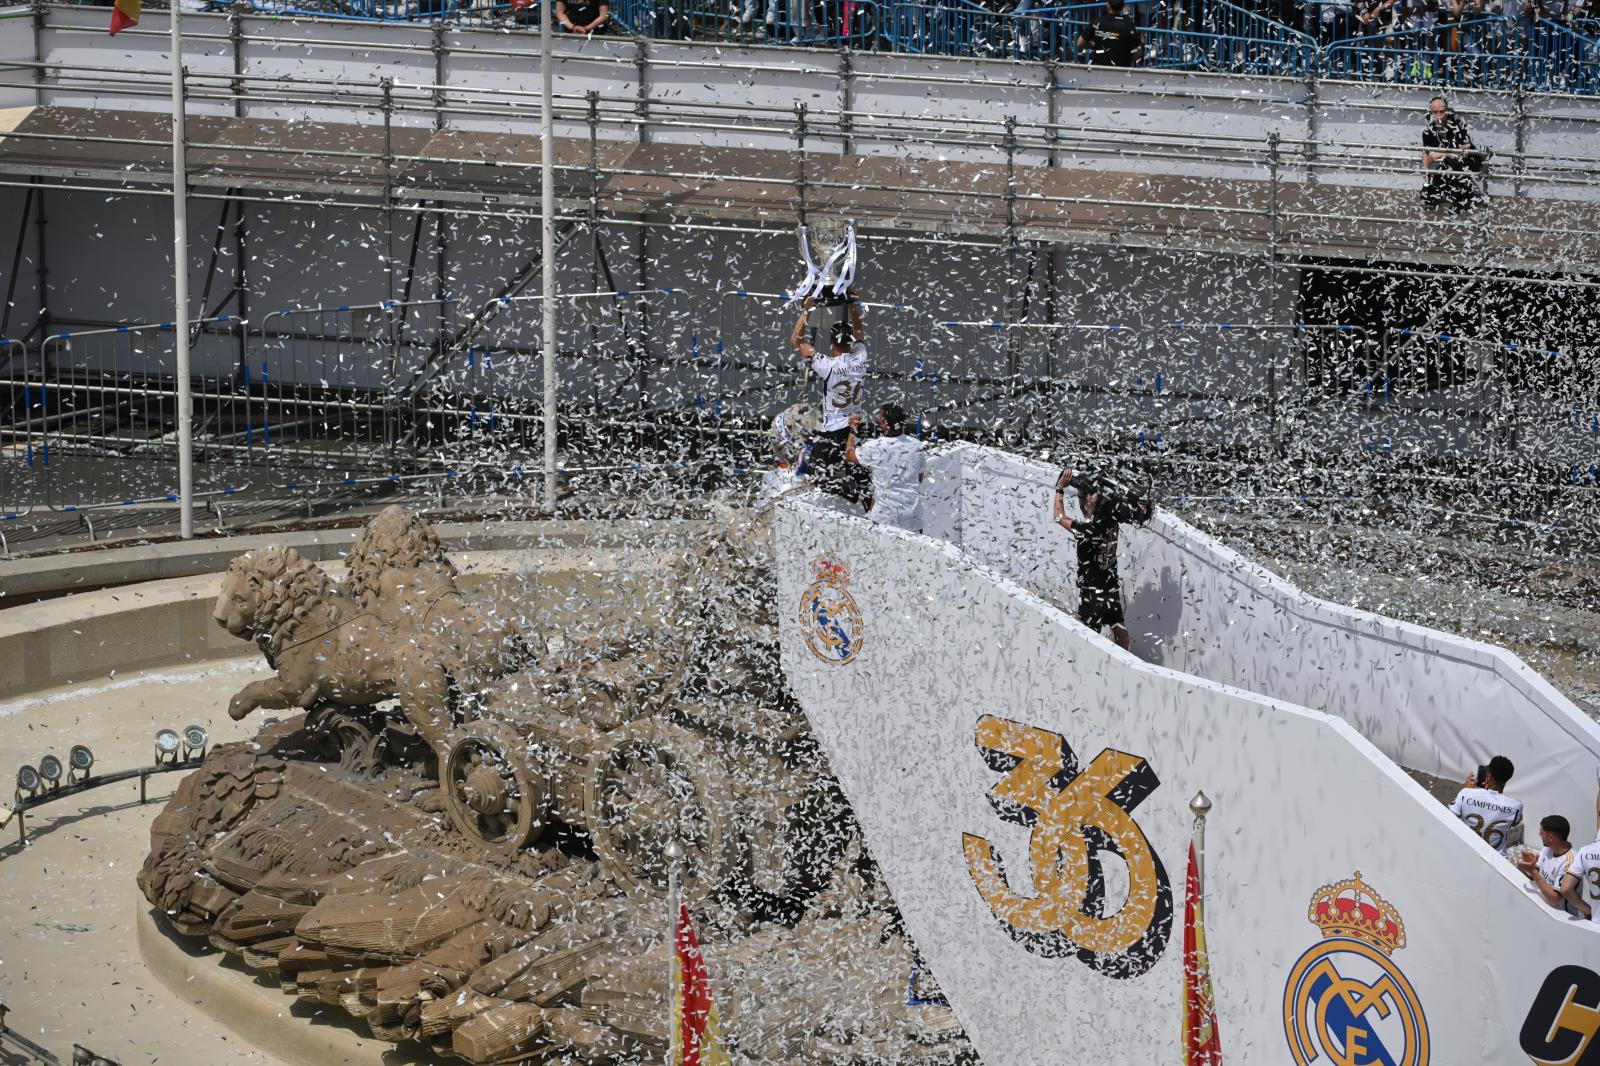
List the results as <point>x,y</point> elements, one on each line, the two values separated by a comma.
<point>697,1034</point>
<point>1202,1046</point>
<point>125,13</point>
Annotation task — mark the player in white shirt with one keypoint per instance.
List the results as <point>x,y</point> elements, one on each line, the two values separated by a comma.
<point>843,371</point>
<point>1581,887</point>
<point>896,462</point>
<point>1547,870</point>
<point>1485,807</point>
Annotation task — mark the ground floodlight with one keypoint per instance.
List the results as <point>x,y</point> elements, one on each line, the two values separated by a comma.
<point>194,741</point>
<point>167,744</point>
<point>27,779</point>
<point>79,760</point>
<point>50,769</point>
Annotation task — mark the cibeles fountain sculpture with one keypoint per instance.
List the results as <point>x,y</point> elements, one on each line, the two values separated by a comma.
<point>458,837</point>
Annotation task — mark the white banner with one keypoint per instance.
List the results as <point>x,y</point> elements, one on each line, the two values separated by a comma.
<point>1430,701</point>
<point>1024,785</point>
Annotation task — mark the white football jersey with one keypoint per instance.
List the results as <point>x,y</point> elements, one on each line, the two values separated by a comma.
<point>1553,868</point>
<point>1586,864</point>
<point>842,379</point>
<point>896,464</point>
<point>1492,815</point>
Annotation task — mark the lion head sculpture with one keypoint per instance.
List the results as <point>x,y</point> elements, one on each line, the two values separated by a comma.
<point>266,591</point>
<point>395,540</point>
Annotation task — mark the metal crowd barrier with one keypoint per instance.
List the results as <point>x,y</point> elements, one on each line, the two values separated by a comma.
<point>1267,390</point>
<point>324,386</point>
<point>1209,35</point>
<point>1478,53</point>
<point>107,399</point>
<point>341,397</point>
<point>853,24</point>
<point>21,466</point>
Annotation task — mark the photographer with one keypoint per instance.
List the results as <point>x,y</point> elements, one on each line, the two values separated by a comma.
<point>1104,509</point>
<point>1448,158</point>
<point>1111,39</point>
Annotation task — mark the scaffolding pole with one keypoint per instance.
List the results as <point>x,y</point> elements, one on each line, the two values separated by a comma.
<point>547,226</point>
<point>180,283</point>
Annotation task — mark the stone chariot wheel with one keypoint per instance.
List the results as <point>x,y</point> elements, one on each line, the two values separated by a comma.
<point>492,792</point>
<point>650,782</point>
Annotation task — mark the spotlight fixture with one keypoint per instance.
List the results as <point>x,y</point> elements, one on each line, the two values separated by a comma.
<point>50,769</point>
<point>167,743</point>
<point>194,742</point>
<point>27,780</point>
<point>79,760</point>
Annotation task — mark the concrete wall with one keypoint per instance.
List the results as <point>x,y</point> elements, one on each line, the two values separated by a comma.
<point>573,583</point>
<point>1428,700</point>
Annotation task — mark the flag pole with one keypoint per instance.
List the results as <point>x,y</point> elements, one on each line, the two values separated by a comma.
<point>180,282</point>
<point>1200,806</point>
<point>673,853</point>
<point>547,218</point>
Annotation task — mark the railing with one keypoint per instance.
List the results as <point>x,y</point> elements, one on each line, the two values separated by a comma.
<point>20,466</point>
<point>1208,35</point>
<point>1475,54</point>
<point>700,384</point>
<point>829,24</point>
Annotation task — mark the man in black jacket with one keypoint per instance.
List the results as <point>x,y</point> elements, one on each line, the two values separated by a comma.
<point>1448,156</point>
<point>1099,585</point>
<point>1111,38</point>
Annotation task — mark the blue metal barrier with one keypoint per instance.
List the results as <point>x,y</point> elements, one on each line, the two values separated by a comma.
<point>1204,35</point>
<point>1479,54</point>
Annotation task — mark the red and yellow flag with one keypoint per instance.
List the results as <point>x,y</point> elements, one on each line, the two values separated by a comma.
<point>125,13</point>
<point>694,1015</point>
<point>1202,1045</point>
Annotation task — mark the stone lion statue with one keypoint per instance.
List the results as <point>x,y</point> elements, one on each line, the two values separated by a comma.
<point>324,645</point>
<point>398,570</point>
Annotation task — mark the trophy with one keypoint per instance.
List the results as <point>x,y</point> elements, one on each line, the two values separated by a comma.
<point>828,249</point>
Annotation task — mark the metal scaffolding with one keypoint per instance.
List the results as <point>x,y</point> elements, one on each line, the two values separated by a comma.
<point>655,163</point>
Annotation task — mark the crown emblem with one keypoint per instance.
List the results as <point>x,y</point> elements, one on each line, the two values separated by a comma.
<point>835,573</point>
<point>1352,909</point>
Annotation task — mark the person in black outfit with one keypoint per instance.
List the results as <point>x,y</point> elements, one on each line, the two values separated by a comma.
<point>1111,38</point>
<point>1448,156</point>
<point>583,16</point>
<point>1099,589</point>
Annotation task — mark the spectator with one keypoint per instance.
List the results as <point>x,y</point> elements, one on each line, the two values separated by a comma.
<point>1372,17</point>
<point>583,16</point>
<point>1518,16</point>
<point>1333,20</point>
<point>1460,25</point>
<point>896,463</point>
<point>1111,39</point>
<point>1099,587</point>
<point>1420,18</point>
<point>1484,806</point>
<point>1547,870</point>
<point>1448,155</point>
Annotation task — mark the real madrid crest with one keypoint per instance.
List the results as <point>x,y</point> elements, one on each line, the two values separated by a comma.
<point>1346,1003</point>
<point>829,617</point>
